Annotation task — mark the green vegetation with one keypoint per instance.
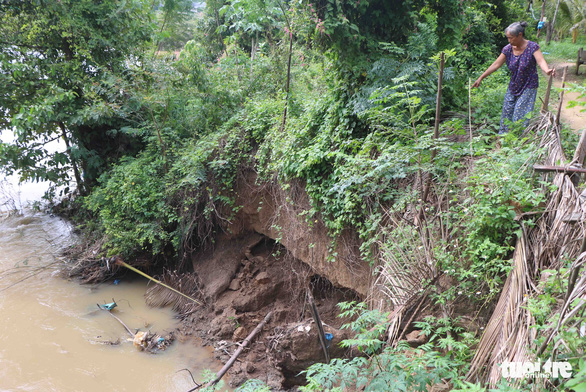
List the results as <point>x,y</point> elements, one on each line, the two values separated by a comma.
<point>337,96</point>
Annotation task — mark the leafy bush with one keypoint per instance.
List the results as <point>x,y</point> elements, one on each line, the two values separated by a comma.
<point>131,203</point>
<point>380,368</point>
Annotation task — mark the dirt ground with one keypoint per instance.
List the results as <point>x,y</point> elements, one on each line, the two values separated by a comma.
<point>243,280</point>
<point>574,117</point>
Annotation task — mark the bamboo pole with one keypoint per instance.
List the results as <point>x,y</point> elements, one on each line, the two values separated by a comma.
<point>558,169</point>
<point>123,264</point>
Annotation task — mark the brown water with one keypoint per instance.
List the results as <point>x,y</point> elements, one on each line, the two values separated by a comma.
<point>51,333</point>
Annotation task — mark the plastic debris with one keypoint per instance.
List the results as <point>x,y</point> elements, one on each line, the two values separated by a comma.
<point>116,282</point>
<point>109,306</point>
<point>329,338</point>
<point>140,340</point>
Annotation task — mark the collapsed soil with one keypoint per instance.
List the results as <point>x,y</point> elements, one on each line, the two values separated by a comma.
<point>244,279</point>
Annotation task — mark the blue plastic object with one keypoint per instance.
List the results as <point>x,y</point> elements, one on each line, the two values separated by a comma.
<point>109,306</point>
<point>117,281</point>
<point>540,25</point>
<point>329,336</point>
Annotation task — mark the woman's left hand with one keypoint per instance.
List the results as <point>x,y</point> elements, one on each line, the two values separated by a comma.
<point>551,72</point>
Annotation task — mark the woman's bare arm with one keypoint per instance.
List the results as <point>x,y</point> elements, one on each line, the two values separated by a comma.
<point>542,63</point>
<point>500,60</point>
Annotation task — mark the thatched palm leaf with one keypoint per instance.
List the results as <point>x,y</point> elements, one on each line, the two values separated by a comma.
<point>508,334</point>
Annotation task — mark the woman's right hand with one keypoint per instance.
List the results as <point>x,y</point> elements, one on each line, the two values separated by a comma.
<point>477,83</point>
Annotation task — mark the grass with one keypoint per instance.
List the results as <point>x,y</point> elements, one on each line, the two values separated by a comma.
<point>563,50</point>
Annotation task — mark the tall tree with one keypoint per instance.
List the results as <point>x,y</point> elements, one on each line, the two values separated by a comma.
<point>61,68</point>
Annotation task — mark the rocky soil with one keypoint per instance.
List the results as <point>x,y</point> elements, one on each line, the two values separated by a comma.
<point>242,281</point>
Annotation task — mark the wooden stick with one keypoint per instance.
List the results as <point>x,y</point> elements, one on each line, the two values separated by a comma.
<point>558,169</point>
<point>557,120</point>
<point>320,328</point>
<point>580,152</point>
<point>438,106</point>
<point>545,104</point>
<point>120,321</point>
<point>243,345</point>
<point>470,112</point>
<point>123,264</point>
<point>421,301</point>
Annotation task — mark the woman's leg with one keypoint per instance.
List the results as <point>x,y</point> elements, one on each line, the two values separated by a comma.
<point>524,105</point>
<point>508,111</point>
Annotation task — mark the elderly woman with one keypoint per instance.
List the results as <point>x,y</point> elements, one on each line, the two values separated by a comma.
<point>522,57</point>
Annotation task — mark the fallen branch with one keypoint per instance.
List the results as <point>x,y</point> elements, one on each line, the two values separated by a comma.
<point>243,345</point>
<point>120,321</point>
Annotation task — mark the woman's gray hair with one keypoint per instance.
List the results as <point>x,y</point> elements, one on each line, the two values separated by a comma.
<point>516,28</point>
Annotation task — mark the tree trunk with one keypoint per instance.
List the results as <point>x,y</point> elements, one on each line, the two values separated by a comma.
<point>542,16</point>
<point>552,25</point>
<point>76,173</point>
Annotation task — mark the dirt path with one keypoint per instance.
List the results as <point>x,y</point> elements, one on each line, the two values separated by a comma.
<point>574,117</point>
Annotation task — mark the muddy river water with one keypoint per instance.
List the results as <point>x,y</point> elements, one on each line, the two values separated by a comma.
<point>53,337</point>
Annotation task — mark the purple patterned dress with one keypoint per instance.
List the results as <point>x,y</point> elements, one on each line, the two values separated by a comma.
<point>522,91</point>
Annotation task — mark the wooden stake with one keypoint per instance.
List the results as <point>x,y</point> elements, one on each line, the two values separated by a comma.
<point>557,120</point>
<point>580,152</point>
<point>545,105</point>
<point>243,345</point>
<point>320,328</point>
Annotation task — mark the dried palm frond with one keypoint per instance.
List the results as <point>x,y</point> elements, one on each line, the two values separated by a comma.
<point>506,337</point>
<point>508,334</point>
<point>159,296</point>
<point>403,271</point>
<point>404,274</point>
